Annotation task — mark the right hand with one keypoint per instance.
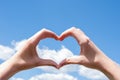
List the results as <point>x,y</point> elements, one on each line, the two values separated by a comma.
<point>89,56</point>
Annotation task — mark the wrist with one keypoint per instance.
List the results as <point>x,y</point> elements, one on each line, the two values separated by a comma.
<point>8,69</point>
<point>109,68</point>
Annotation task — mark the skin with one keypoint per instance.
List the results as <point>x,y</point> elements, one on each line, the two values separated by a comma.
<point>90,56</point>
<point>27,57</point>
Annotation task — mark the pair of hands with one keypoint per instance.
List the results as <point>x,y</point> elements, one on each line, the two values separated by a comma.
<point>27,57</point>
<point>90,55</point>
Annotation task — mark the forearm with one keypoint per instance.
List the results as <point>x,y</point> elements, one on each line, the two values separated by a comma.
<point>8,69</point>
<point>109,68</point>
<point>105,64</point>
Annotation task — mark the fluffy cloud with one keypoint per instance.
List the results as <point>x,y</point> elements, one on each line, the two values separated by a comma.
<point>18,45</point>
<point>91,73</point>
<point>6,52</point>
<point>57,56</point>
<point>48,76</point>
<point>16,78</point>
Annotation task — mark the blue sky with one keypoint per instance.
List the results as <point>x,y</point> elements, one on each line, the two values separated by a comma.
<point>99,19</point>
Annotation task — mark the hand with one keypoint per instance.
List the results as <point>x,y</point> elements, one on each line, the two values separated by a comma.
<point>28,57</point>
<point>89,55</point>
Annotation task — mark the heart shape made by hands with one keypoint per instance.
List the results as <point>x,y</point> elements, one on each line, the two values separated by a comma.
<point>55,54</point>
<point>87,55</point>
<point>82,39</point>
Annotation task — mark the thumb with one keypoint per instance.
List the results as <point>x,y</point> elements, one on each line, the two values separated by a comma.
<point>48,62</point>
<point>72,60</point>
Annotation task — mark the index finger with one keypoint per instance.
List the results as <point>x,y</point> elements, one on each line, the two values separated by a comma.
<point>76,33</point>
<point>42,34</point>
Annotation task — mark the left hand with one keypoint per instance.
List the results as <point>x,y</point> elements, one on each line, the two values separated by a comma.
<point>27,57</point>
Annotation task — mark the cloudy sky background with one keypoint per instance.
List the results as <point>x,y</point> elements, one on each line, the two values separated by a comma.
<point>51,73</point>
<point>99,19</point>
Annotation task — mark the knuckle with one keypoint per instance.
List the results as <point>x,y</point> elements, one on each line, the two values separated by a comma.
<point>68,60</point>
<point>44,30</point>
<point>85,41</point>
<point>73,27</point>
<point>30,42</point>
<point>72,30</point>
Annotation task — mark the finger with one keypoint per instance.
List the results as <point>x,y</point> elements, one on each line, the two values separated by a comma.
<point>42,34</point>
<point>48,62</point>
<point>49,34</point>
<point>71,60</point>
<point>76,33</point>
<point>65,34</point>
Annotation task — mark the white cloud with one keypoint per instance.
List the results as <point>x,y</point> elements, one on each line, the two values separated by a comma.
<point>18,45</point>
<point>91,73</point>
<point>6,52</point>
<point>63,53</point>
<point>16,78</point>
<point>57,56</point>
<point>47,76</point>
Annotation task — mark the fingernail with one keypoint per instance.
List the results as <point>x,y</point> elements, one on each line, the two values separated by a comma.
<point>56,39</point>
<point>60,39</point>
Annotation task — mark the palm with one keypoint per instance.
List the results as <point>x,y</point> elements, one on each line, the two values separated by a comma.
<point>88,52</point>
<point>28,57</point>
